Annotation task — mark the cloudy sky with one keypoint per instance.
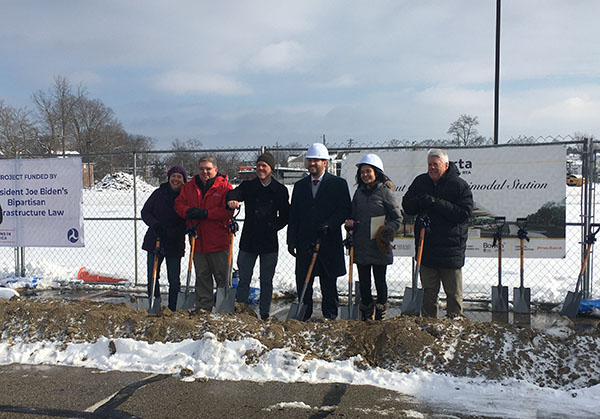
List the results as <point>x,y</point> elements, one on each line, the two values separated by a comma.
<point>245,73</point>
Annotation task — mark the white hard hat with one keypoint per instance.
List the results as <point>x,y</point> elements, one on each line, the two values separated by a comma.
<point>317,151</point>
<point>372,160</point>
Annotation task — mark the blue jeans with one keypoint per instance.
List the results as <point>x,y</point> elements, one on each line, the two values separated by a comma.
<point>173,271</point>
<point>246,262</point>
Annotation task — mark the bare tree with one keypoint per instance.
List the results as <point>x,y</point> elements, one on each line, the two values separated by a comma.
<point>55,108</point>
<point>464,132</point>
<point>17,132</point>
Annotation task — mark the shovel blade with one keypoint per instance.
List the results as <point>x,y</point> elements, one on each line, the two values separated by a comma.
<point>412,301</point>
<point>186,301</point>
<point>225,302</point>
<point>297,311</point>
<point>522,300</point>
<point>571,305</point>
<point>349,312</point>
<point>500,299</point>
<point>155,307</point>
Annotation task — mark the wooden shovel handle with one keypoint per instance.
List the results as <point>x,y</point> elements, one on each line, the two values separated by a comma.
<point>192,247</point>
<point>420,247</point>
<point>312,263</point>
<point>351,263</point>
<point>585,260</point>
<point>154,269</point>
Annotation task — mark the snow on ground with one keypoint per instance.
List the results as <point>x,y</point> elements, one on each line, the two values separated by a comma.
<point>225,361</point>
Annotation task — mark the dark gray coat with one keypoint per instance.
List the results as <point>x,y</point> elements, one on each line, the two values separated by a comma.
<point>368,203</point>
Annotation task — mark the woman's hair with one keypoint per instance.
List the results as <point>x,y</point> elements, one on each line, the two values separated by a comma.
<point>380,177</point>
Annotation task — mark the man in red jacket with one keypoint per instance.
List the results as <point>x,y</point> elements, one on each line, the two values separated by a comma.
<point>202,202</point>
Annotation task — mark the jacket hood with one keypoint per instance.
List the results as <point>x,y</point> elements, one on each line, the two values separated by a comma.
<point>452,171</point>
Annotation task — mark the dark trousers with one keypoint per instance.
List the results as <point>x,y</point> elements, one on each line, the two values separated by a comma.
<point>173,271</point>
<point>364,278</point>
<point>329,304</point>
<point>246,262</point>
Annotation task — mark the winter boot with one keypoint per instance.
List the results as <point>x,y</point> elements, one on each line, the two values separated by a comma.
<point>366,312</point>
<point>380,310</point>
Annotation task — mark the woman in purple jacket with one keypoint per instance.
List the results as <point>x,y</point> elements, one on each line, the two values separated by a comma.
<point>165,224</point>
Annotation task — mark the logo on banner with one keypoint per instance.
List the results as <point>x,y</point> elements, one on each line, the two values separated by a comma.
<point>73,235</point>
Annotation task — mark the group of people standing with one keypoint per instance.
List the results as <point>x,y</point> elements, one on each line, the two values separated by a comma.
<point>320,205</point>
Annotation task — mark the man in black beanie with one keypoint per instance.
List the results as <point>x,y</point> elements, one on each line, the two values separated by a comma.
<point>267,210</point>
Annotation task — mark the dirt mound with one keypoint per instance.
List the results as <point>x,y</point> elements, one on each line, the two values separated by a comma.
<point>559,357</point>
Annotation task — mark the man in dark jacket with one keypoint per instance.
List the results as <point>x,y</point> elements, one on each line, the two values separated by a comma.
<point>159,214</point>
<point>447,200</point>
<point>267,212</point>
<point>320,204</point>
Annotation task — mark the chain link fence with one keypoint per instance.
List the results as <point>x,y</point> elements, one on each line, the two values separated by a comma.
<point>114,230</point>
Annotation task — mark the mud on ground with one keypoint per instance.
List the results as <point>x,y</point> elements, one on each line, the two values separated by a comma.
<point>559,357</point>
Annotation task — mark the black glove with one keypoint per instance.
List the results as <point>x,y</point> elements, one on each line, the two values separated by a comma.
<point>196,214</point>
<point>292,250</point>
<point>322,230</point>
<point>426,201</point>
<point>159,230</point>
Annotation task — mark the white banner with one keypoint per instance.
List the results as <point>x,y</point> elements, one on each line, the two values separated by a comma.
<point>511,182</point>
<point>41,202</point>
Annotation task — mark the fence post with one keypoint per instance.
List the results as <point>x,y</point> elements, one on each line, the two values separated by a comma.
<point>135,233</point>
<point>588,207</point>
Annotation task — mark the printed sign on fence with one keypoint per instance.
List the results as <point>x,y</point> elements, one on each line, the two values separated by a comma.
<point>41,202</point>
<point>511,182</point>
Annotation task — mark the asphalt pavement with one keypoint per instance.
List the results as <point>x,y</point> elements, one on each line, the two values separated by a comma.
<point>41,391</point>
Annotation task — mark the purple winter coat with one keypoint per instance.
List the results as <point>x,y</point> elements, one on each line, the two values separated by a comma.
<point>159,208</point>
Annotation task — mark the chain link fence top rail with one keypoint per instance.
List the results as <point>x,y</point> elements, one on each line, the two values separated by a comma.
<point>114,231</point>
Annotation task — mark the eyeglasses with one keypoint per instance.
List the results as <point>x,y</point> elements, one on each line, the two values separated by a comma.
<point>205,169</point>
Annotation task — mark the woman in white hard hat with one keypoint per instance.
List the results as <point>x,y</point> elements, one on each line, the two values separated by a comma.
<point>373,203</point>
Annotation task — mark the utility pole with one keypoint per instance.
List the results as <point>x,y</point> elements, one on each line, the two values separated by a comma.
<point>497,78</point>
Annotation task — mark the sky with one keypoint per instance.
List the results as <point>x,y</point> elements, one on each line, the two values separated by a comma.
<point>240,73</point>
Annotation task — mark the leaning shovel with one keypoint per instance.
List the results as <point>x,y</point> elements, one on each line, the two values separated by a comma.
<point>297,310</point>
<point>151,308</point>
<point>413,297</point>
<point>350,312</point>
<point>225,302</point>
<point>573,300</point>
<point>185,300</point>
<point>499,293</point>
<point>522,295</point>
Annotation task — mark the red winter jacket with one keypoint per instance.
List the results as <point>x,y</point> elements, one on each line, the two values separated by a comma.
<point>213,235</point>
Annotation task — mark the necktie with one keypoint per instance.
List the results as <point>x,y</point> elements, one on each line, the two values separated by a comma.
<point>315,182</point>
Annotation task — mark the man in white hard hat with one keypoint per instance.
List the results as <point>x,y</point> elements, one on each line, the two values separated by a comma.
<point>320,205</point>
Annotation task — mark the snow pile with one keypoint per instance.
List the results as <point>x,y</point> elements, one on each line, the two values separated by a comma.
<point>120,181</point>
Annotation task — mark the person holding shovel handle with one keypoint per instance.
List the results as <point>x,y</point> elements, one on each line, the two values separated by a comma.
<point>159,215</point>
<point>320,205</point>
<point>447,200</point>
<point>373,203</point>
<point>202,203</point>
<point>267,212</point>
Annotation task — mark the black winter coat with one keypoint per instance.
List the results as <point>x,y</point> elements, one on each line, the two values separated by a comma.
<point>267,211</point>
<point>446,240</point>
<point>330,206</point>
<point>158,209</point>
